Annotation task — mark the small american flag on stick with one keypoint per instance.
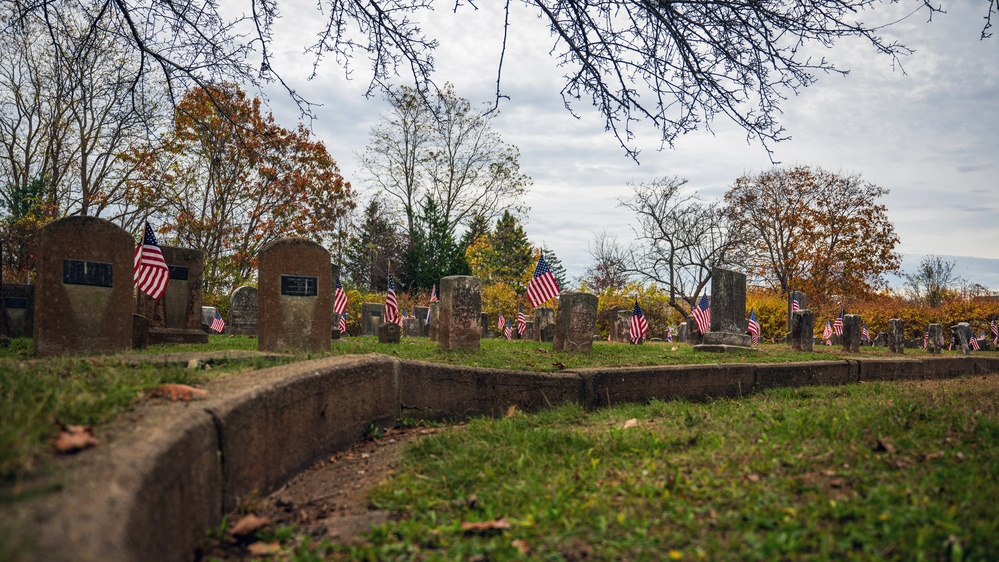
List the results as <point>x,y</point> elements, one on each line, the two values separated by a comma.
<point>339,298</point>
<point>150,272</point>
<point>639,325</point>
<point>391,304</point>
<point>217,323</point>
<point>542,285</point>
<point>702,315</point>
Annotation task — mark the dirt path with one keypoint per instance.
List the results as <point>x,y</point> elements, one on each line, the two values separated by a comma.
<point>328,501</point>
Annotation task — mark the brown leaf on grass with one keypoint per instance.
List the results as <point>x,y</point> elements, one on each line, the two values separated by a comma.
<point>512,412</point>
<point>752,477</point>
<point>884,446</point>
<point>541,350</point>
<point>837,483</point>
<point>175,392</point>
<point>929,456</point>
<point>630,423</point>
<point>485,527</point>
<point>264,548</point>
<point>248,525</point>
<point>521,546</point>
<point>559,365</point>
<point>75,438</point>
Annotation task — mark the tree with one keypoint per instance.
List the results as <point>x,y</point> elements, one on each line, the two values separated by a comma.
<point>433,252</point>
<point>608,268</point>
<point>932,281</point>
<point>679,239</point>
<point>445,151</point>
<point>504,256</point>
<point>556,267</point>
<point>375,242</point>
<point>239,180</point>
<point>813,230</point>
<point>677,65</point>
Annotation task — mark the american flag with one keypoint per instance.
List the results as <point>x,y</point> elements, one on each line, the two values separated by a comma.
<point>150,271</point>
<point>501,322</point>
<point>864,334</point>
<point>973,342</point>
<point>339,298</point>
<point>508,331</point>
<point>543,285</point>
<point>342,324</point>
<point>754,327</point>
<point>521,321</point>
<point>392,305</point>
<point>827,333</point>
<point>218,324</point>
<point>639,325</point>
<point>669,334</point>
<point>702,315</point>
<point>995,332</point>
<point>838,324</point>
<point>926,340</point>
<point>794,304</point>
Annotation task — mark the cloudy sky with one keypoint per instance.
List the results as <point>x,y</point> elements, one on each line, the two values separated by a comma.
<point>930,135</point>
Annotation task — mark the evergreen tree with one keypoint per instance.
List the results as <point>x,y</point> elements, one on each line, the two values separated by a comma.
<point>479,226</point>
<point>433,252</point>
<point>376,242</point>
<point>509,257</point>
<point>555,265</point>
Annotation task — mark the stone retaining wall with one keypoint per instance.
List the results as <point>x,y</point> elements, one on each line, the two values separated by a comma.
<point>152,492</point>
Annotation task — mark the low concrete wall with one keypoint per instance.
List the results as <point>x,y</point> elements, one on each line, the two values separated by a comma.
<point>151,491</point>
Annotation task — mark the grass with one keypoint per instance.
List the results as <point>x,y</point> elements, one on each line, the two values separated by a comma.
<point>888,471</point>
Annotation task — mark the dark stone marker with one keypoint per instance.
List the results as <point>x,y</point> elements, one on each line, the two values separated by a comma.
<point>83,293</point>
<point>243,311</point>
<point>543,317</point>
<point>421,312</point>
<point>486,326</point>
<point>935,343</point>
<point>802,305</point>
<point>528,330</point>
<point>622,325</point>
<point>412,327</point>
<point>694,335</point>
<point>460,313</point>
<point>548,333</point>
<point>964,334</point>
<point>371,317</point>
<point>140,331</point>
<point>612,322</point>
<point>851,333</point>
<point>896,335</point>
<point>681,332</point>
<point>389,332</point>
<point>207,316</point>
<point>575,321</point>
<point>880,340</point>
<point>176,316</point>
<point>803,330</point>
<point>294,296</point>
<point>18,309</point>
<point>435,315</point>
<point>728,313</point>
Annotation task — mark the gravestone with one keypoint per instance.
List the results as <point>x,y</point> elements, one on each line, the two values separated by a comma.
<point>575,321</point>
<point>964,334</point>
<point>435,311</point>
<point>880,340</point>
<point>694,335</point>
<point>543,317</point>
<point>243,311</point>
<point>412,327</point>
<point>681,333</point>
<point>528,330</point>
<point>371,317</point>
<point>486,326</point>
<point>934,342</point>
<point>207,316</point>
<point>802,330</point>
<point>612,322</point>
<point>421,313</point>
<point>548,333</point>
<point>294,296</point>
<point>622,325</point>
<point>728,313</point>
<point>896,335</point>
<point>175,317</point>
<point>851,333</point>
<point>389,332</point>
<point>140,331</point>
<point>459,320</point>
<point>18,309</point>
<point>802,305</point>
<point>83,288</point>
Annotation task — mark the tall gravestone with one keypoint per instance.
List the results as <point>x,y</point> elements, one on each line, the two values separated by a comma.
<point>207,316</point>
<point>934,339</point>
<point>802,299</point>
<point>83,289</point>
<point>622,325</point>
<point>422,312</point>
<point>243,312</point>
<point>528,330</point>
<point>851,333</point>
<point>459,314</point>
<point>728,313</point>
<point>802,333</point>
<point>612,322</point>
<point>18,309</point>
<point>896,335</point>
<point>295,296</point>
<point>435,316</point>
<point>964,334</point>
<point>543,317</point>
<point>681,333</point>
<point>175,317</point>
<point>575,321</point>
<point>371,318</point>
<point>486,326</point>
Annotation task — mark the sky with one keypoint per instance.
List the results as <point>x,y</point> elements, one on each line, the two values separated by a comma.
<point>929,134</point>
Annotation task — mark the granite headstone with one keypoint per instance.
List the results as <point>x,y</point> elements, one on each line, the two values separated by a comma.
<point>294,296</point>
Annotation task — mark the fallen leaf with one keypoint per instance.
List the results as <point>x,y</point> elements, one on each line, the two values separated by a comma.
<point>75,438</point>
<point>929,456</point>
<point>837,483</point>
<point>752,477</point>
<point>248,525</point>
<point>175,392</point>
<point>485,527</point>
<point>630,423</point>
<point>541,350</point>
<point>521,546</point>
<point>511,412</point>
<point>263,548</point>
<point>674,348</point>
<point>559,365</point>
<point>884,446</point>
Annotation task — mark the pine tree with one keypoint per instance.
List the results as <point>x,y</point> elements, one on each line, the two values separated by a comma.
<point>376,242</point>
<point>433,252</point>
<point>555,265</point>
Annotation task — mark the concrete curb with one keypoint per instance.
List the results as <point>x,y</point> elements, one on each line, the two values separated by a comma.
<point>153,492</point>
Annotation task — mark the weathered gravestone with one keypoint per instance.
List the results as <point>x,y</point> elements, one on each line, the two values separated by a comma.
<point>802,299</point>
<point>851,333</point>
<point>612,322</point>
<point>140,331</point>
<point>207,316</point>
<point>412,327</point>
<point>622,325</point>
<point>681,332</point>
<point>896,335</point>
<point>802,330</point>
<point>728,313</point>
<point>83,289</point>
<point>528,330</point>
<point>880,340</point>
<point>435,315</point>
<point>371,317</point>
<point>18,309</point>
<point>295,296</point>
<point>543,317</point>
<point>964,334</point>
<point>575,321</point>
<point>421,312</point>
<point>694,335</point>
<point>459,321</point>
<point>243,311</point>
<point>389,332</point>
<point>934,338</point>
<point>486,326</point>
<point>175,317</point>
